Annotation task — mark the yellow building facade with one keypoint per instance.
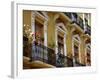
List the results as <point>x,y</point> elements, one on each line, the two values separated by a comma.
<point>56,39</point>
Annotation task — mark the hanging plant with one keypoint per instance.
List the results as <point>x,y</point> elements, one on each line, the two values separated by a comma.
<point>28,33</point>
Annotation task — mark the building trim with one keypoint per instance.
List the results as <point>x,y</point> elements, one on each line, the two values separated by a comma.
<point>33,24</point>
<point>78,41</point>
<point>87,48</point>
<point>56,33</point>
<point>44,26</point>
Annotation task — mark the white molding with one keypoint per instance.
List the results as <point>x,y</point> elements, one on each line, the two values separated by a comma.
<point>44,17</point>
<point>61,30</point>
<point>33,24</point>
<point>84,22</point>
<point>77,36</point>
<point>45,33</point>
<point>63,26</point>
<point>88,18</point>
<point>45,14</point>
<point>56,40</point>
<point>64,40</point>
<point>65,46</point>
<point>44,26</point>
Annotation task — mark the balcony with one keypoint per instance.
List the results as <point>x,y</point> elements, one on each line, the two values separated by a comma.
<point>75,19</point>
<point>44,54</point>
<point>79,21</point>
<point>48,56</point>
<point>79,64</point>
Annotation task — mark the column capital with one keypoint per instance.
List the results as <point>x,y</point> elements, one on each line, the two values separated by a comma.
<point>56,16</point>
<point>84,37</point>
<point>70,27</point>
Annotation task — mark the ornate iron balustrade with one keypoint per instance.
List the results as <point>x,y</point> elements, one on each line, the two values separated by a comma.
<point>43,53</point>
<point>78,64</point>
<point>60,60</point>
<point>47,55</point>
<point>69,62</point>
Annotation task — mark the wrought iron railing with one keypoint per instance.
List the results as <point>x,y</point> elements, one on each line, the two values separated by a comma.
<point>43,53</point>
<point>79,64</point>
<point>47,55</point>
<point>60,60</point>
<point>69,62</point>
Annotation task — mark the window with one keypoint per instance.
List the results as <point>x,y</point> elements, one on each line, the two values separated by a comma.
<point>76,53</point>
<point>76,50</point>
<point>88,55</point>
<point>60,44</point>
<point>39,32</point>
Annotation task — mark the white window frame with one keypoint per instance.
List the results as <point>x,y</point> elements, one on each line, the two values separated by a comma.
<point>79,42</point>
<point>65,36</point>
<point>34,14</point>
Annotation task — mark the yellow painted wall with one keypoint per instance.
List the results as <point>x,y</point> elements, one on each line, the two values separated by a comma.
<point>26,26</point>
<point>51,30</point>
<point>69,42</point>
<point>27,17</point>
<point>82,50</point>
